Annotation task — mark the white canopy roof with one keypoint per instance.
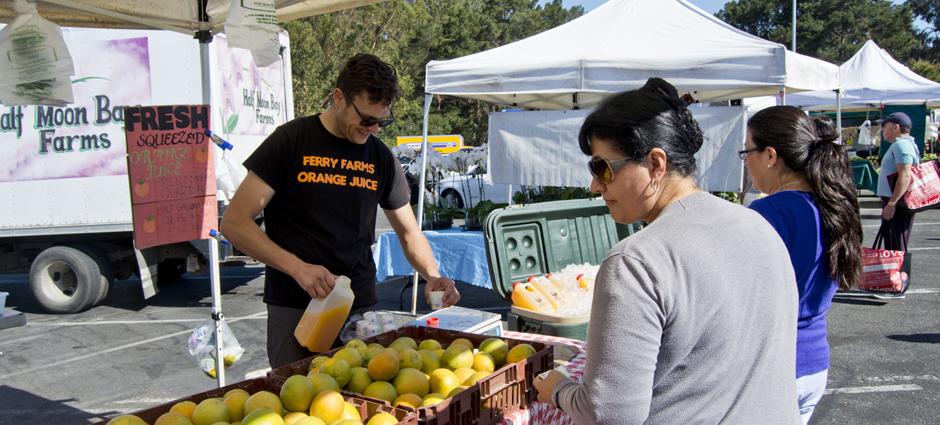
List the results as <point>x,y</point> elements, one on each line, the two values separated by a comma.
<point>621,44</point>
<point>869,78</point>
<point>174,15</point>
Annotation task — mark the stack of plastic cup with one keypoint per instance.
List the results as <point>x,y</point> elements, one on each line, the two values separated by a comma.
<point>362,329</point>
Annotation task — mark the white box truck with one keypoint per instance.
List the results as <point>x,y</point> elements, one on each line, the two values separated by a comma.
<point>65,215</point>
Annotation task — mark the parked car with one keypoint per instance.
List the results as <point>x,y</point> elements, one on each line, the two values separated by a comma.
<point>464,190</point>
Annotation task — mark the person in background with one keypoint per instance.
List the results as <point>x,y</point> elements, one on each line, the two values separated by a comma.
<point>692,316</point>
<point>903,154</point>
<point>318,180</point>
<point>812,203</point>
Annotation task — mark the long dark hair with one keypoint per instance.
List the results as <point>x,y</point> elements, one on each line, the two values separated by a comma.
<point>637,121</point>
<point>807,147</point>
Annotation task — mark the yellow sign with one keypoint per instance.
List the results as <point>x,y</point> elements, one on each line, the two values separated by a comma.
<point>444,144</point>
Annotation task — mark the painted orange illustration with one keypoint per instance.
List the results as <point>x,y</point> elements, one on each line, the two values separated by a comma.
<point>202,154</point>
<point>142,188</point>
<point>150,224</point>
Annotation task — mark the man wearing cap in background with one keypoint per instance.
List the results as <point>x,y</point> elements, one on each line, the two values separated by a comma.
<point>901,156</point>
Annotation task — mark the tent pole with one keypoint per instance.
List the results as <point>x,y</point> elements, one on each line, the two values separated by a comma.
<point>794,27</point>
<point>424,173</point>
<point>205,37</point>
<point>839,115</point>
<point>509,193</point>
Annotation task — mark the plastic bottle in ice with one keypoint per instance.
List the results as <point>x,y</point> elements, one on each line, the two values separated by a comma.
<point>529,297</point>
<point>552,294</point>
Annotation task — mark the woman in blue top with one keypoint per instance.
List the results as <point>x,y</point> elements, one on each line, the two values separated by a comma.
<point>813,205</point>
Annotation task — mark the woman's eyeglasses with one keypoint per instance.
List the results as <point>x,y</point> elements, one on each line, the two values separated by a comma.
<point>603,170</point>
<point>743,154</point>
<point>368,121</point>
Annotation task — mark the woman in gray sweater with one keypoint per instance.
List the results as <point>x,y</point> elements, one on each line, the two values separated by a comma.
<point>693,316</point>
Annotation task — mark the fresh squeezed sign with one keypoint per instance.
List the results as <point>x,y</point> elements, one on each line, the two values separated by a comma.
<point>84,139</point>
<point>171,172</point>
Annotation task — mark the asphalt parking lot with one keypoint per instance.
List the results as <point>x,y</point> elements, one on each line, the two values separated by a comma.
<point>129,353</point>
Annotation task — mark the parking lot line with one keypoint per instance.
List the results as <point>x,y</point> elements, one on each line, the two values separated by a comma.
<point>874,389</point>
<point>264,315</point>
<point>929,223</point>
<point>118,348</point>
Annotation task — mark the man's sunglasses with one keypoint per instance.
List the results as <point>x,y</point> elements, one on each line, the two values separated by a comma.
<point>603,170</point>
<point>368,121</point>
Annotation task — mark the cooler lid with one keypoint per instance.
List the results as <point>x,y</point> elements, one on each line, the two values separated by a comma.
<point>536,239</point>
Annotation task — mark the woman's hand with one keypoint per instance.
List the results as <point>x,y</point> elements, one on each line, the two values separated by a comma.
<point>546,386</point>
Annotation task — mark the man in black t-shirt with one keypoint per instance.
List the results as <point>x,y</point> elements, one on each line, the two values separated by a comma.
<point>319,180</point>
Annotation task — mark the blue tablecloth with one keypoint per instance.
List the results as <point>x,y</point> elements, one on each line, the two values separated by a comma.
<point>459,254</point>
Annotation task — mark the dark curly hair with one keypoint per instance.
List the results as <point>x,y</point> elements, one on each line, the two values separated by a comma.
<point>367,73</point>
<point>637,121</point>
<point>807,146</point>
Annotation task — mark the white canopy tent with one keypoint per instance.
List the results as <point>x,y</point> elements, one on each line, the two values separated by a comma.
<point>200,18</point>
<point>617,47</point>
<point>871,78</point>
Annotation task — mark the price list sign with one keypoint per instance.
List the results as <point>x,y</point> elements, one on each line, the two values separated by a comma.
<point>171,173</point>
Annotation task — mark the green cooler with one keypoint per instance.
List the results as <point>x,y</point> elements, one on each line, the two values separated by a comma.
<point>537,239</point>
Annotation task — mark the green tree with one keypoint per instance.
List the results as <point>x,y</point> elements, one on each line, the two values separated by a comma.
<point>409,34</point>
<point>926,69</point>
<point>830,30</point>
<point>929,12</point>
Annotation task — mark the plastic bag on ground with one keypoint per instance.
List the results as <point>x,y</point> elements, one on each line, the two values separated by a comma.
<point>201,347</point>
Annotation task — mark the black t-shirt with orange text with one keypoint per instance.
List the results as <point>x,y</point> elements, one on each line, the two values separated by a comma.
<point>324,206</point>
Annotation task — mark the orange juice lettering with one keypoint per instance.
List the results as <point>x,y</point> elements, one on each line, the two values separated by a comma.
<point>324,317</point>
<point>529,297</point>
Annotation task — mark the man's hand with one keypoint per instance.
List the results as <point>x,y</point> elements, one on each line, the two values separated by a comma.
<point>451,296</point>
<point>546,387</point>
<point>888,212</point>
<point>316,280</point>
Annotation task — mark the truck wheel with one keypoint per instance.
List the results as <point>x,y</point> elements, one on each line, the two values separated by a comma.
<point>171,269</point>
<point>104,266</point>
<point>65,279</point>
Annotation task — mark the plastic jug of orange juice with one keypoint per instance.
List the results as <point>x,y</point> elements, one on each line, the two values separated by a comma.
<point>324,317</point>
<point>529,297</point>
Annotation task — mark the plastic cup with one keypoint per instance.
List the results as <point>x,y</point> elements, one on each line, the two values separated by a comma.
<point>3,301</point>
<point>362,329</point>
<point>437,300</point>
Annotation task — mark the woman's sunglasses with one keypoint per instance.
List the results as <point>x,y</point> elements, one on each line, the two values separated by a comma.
<point>368,121</point>
<point>743,154</point>
<point>603,170</point>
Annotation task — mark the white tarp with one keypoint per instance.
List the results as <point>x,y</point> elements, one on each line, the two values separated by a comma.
<point>618,46</point>
<point>541,148</point>
<point>175,15</point>
<point>870,78</point>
